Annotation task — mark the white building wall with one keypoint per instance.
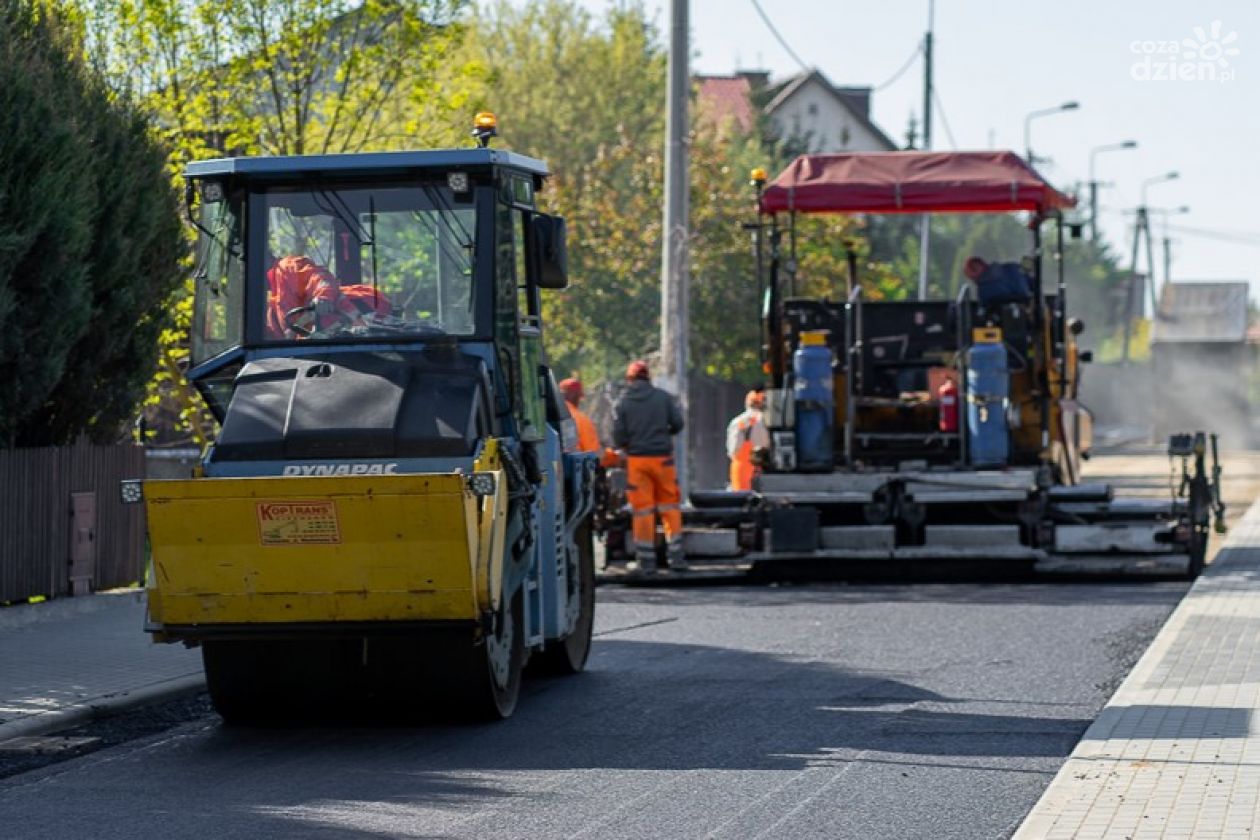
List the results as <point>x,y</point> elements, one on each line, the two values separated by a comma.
<point>831,126</point>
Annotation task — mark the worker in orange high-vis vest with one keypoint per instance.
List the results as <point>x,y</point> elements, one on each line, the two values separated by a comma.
<point>745,435</point>
<point>645,421</point>
<point>588,437</point>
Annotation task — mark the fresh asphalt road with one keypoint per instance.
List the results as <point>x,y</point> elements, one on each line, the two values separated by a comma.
<point>871,711</point>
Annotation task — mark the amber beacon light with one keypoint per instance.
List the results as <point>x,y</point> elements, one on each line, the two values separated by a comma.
<point>485,126</point>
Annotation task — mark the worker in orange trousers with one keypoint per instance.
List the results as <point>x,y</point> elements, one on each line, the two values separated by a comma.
<point>645,421</point>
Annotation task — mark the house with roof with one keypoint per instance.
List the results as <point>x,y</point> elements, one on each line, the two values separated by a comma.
<point>806,111</point>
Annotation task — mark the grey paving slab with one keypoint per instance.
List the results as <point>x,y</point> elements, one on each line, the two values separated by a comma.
<point>1176,751</point>
<point>64,660</point>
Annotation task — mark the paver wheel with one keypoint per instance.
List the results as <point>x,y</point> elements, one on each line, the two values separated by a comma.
<point>569,655</point>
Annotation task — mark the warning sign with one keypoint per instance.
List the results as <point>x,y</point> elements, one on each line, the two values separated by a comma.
<point>298,523</point>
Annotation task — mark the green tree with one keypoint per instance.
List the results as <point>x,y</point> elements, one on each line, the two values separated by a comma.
<point>547,69</point>
<point>610,311</point>
<point>89,245</point>
<point>725,309</point>
<point>236,77</point>
<point>259,77</point>
<point>565,86</point>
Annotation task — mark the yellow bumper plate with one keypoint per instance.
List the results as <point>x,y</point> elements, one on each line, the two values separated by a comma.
<point>328,549</point>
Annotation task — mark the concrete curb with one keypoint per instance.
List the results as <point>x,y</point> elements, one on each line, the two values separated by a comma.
<point>101,707</point>
<point>17,616</point>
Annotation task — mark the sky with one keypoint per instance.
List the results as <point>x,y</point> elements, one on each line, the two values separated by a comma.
<point>997,61</point>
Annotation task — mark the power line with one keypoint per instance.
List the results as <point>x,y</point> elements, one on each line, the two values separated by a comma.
<point>918,50</point>
<point>940,109</point>
<point>1252,239</point>
<point>766,19</point>
<point>1240,234</point>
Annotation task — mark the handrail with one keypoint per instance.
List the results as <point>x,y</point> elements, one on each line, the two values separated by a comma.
<point>963,315</point>
<point>852,353</point>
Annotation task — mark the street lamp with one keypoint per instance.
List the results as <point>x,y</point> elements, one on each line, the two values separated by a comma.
<point>1066,106</point>
<point>1093,182</point>
<point>1158,179</point>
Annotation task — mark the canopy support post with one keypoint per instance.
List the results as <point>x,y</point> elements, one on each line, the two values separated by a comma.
<point>791,267</point>
<point>1039,319</point>
<point>1060,305</point>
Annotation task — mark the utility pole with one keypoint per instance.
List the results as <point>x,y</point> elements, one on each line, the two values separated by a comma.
<point>1093,210</point>
<point>925,226</point>
<point>927,78</point>
<point>675,326</point>
<point>1139,227</point>
<point>1167,260</point>
<point>1167,240</point>
<point>1150,260</point>
<point>1142,227</point>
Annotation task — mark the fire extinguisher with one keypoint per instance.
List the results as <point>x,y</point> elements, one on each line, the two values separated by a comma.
<point>947,397</point>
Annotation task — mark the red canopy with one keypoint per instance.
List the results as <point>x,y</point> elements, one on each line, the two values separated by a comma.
<point>911,182</point>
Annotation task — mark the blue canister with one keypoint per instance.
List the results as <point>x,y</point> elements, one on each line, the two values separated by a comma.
<point>814,392</point>
<point>988,394</point>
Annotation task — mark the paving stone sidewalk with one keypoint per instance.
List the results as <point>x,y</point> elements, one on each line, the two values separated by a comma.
<point>1176,751</point>
<point>65,661</point>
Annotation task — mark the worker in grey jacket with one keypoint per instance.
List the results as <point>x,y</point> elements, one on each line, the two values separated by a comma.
<point>645,421</point>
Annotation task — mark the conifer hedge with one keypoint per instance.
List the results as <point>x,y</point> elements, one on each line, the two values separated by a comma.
<point>90,240</point>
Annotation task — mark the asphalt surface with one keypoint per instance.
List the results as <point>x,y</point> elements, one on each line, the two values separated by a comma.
<point>873,711</point>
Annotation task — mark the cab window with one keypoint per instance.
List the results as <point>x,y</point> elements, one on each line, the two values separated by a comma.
<point>218,281</point>
<point>367,262</point>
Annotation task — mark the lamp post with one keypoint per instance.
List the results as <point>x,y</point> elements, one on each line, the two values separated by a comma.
<point>1093,182</point>
<point>1032,115</point>
<point>1158,179</point>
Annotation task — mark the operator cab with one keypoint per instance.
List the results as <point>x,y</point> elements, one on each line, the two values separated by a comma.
<point>371,306</point>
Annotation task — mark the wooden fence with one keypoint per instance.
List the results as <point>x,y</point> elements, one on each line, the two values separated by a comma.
<point>38,489</point>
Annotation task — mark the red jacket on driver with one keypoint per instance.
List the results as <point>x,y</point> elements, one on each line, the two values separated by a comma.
<point>297,281</point>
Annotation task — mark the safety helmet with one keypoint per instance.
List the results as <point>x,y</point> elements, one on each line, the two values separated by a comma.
<point>974,267</point>
<point>638,369</point>
<point>571,388</point>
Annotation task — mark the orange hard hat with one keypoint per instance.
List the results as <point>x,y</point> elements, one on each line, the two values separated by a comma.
<point>571,388</point>
<point>637,369</point>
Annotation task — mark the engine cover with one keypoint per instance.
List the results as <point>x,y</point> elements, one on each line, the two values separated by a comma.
<point>427,403</point>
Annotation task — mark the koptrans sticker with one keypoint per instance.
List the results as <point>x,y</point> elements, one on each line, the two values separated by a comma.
<point>298,523</point>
